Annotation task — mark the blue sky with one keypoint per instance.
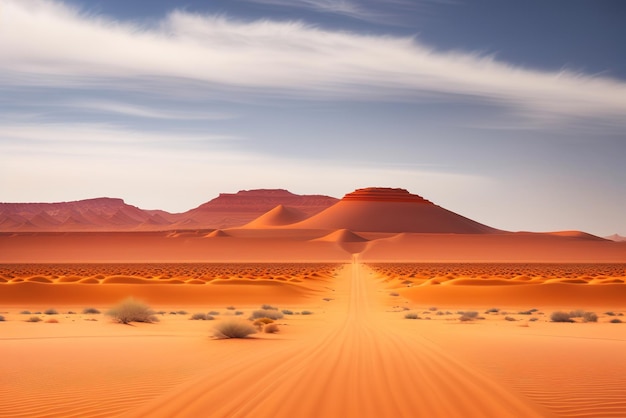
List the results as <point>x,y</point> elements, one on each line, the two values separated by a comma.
<point>510,113</point>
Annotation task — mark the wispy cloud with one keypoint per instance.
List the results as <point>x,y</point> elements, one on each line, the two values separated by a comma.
<point>132,110</point>
<point>341,7</point>
<point>48,43</point>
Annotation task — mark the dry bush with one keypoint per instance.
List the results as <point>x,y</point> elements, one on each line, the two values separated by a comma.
<point>394,294</point>
<point>2,318</point>
<point>131,310</point>
<point>91,311</point>
<point>560,316</point>
<point>269,307</point>
<point>468,316</point>
<point>34,319</point>
<point>198,317</point>
<point>306,313</point>
<point>492,310</point>
<point>51,312</point>
<point>590,317</point>
<point>266,313</point>
<point>271,329</point>
<point>287,312</point>
<point>262,321</point>
<point>52,321</point>
<point>214,313</point>
<point>231,308</point>
<point>509,318</point>
<point>578,313</point>
<point>25,313</point>
<point>411,315</point>
<point>615,321</point>
<point>233,328</point>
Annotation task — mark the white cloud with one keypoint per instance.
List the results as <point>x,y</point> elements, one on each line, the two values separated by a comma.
<point>47,43</point>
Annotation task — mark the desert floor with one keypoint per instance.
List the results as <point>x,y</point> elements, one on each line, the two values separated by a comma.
<point>356,355</point>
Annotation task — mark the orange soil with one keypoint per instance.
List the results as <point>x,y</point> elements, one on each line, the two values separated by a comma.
<point>355,356</point>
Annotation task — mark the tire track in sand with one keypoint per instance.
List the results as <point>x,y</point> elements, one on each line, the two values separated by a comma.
<point>356,367</point>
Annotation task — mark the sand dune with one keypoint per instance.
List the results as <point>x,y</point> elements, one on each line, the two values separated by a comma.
<point>279,216</point>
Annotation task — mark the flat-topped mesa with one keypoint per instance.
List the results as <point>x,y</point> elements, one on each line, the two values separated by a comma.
<point>384,194</point>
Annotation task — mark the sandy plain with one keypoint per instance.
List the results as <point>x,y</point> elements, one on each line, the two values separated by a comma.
<point>356,355</point>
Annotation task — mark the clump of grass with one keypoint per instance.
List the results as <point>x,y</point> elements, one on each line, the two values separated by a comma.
<point>578,313</point>
<point>533,319</point>
<point>91,311</point>
<point>261,322</point>
<point>51,312</point>
<point>560,316</point>
<point>432,308</point>
<point>615,321</point>
<point>394,294</point>
<point>131,310</point>
<point>306,313</point>
<point>214,313</point>
<point>198,317</point>
<point>52,321</point>
<point>34,319</point>
<point>266,313</point>
<point>173,313</point>
<point>329,299</point>
<point>468,316</point>
<point>525,313</point>
<point>610,313</point>
<point>411,315</point>
<point>590,317</point>
<point>269,307</point>
<point>182,312</point>
<point>509,318</point>
<point>25,313</point>
<point>287,312</point>
<point>238,313</point>
<point>271,329</point>
<point>71,313</point>
<point>231,308</point>
<point>232,328</point>
<point>492,310</point>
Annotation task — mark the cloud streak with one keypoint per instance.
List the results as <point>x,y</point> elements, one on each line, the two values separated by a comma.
<point>48,43</point>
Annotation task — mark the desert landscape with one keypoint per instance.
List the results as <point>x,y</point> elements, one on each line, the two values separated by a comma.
<point>381,304</point>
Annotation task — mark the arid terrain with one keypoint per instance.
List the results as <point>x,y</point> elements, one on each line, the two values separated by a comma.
<point>383,304</point>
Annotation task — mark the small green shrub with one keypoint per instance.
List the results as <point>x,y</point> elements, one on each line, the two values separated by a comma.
<point>233,328</point>
<point>131,310</point>
<point>560,316</point>
<point>266,313</point>
<point>91,311</point>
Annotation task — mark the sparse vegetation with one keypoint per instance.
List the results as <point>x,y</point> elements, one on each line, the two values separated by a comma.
<point>266,313</point>
<point>287,312</point>
<point>25,312</point>
<point>198,317</point>
<point>509,318</point>
<point>131,310</point>
<point>52,321</point>
<point>271,329</point>
<point>533,319</point>
<point>610,313</point>
<point>468,316</point>
<point>411,315</point>
<point>34,319</point>
<point>238,313</point>
<point>91,311</point>
<point>306,313</point>
<point>492,310</point>
<point>2,318</point>
<point>525,312</point>
<point>394,294</point>
<point>182,312</point>
<point>590,317</point>
<point>578,313</point>
<point>214,313</point>
<point>233,328</point>
<point>269,307</point>
<point>560,316</point>
<point>51,312</point>
<point>615,321</point>
<point>231,308</point>
<point>432,308</point>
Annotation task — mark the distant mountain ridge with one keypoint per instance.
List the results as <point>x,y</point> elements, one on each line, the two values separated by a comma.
<point>105,213</point>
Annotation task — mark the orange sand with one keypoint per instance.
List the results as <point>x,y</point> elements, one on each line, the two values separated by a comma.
<point>355,356</point>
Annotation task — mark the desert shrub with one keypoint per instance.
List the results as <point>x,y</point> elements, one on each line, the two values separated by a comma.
<point>266,313</point>
<point>492,310</point>
<point>509,318</point>
<point>182,312</point>
<point>560,316</point>
<point>210,318</point>
<point>2,318</point>
<point>214,313</point>
<point>269,307</point>
<point>51,312</point>
<point>329,299</point>
<point>233,328</point>
<point>590,317</point>
<point>306,313</point>
<point>25,312</point>
<point>578,313</point>
<point>198,317</point>
<point>37,313</point>
<point>525,313</point>
<point>91,311</point>
<point>34,319</point>
<point>238,313</point>
<point>231,308</point>
<point>52,321</point>
<point>287,312</point>
<point>432,308</point>
<point>394,294</point>
<point>615,321</point>
<point>160,313</point>
<point>263,321</point>
<point>172,313</point>
<point>71,313</point>
<point>271,329</point>
<point>610,313</point>
<point>533,319</point>
<point>131,310</point>
<point>468,316</point>
<point>411,315</point>
<point>439,313</point>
